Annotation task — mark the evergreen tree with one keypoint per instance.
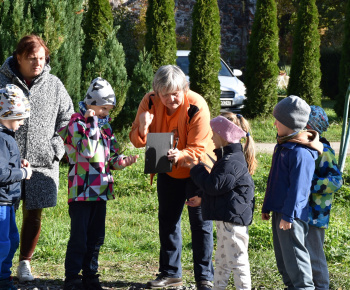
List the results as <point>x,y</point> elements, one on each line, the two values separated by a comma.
<point>97,26</point>
<point>205,53</point>
<point>262,63</point>
<point>305,74</point>
<point>344,71</point>
<point>160,35</point>
<point>141,83</point>
<point>15,22</point>
<point>108,62</point>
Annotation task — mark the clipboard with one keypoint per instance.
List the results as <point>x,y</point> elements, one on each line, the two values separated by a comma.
<point>157,147</point>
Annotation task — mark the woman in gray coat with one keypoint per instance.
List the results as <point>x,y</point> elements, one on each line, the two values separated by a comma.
<point>51,108</point>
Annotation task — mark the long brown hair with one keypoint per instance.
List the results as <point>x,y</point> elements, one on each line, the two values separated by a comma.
<point>30,44</point>
<point>249,146</point>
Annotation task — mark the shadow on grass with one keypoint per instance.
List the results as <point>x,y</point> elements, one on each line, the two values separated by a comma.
<point>57,284</point>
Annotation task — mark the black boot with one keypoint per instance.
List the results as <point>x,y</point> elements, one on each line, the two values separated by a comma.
<point>92,282</point>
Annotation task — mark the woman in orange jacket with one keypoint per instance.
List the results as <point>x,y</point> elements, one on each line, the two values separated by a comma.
<point>172,107</point>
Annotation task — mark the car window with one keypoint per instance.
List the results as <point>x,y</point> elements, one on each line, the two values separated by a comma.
<point>183,63</point>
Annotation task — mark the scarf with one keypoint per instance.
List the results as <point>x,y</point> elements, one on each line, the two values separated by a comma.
<point>101,122</point>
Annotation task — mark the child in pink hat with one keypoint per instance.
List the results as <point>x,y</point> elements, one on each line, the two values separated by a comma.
<point>227,196</point>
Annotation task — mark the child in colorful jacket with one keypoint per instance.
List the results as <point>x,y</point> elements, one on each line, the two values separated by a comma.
<point>14,108</point>
<point>92,152</point>
<point>327,180</point>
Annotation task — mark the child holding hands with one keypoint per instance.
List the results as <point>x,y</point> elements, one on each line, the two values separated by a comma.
<point>228,197</point>
<point>14,107</point>
<point>92,152</point>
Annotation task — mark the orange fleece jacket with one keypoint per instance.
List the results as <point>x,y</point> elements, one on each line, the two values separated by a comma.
<point>193,129</point>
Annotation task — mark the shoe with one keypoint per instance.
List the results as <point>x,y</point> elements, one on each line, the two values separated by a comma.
<point>162,281</point>
<point>92,283</point>
<point>74,283</point>
<point>204,285</point>
<point>7,284</point>
<point>23,272</point>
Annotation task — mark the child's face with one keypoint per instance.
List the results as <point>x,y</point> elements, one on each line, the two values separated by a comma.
<point>101,111</point>
<point>13,124</point>
<point>282,130</point>
<point>218,141</point>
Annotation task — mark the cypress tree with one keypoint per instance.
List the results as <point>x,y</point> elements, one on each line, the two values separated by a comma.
<point>97,26</point>
<point>205,53</point>
<point>305,74</point>
<point>15,22</point>
<point>108,62</point>
<point>141,83</point>
<point>160,35</point>
<point>344,70</point>
<point>262,63</point>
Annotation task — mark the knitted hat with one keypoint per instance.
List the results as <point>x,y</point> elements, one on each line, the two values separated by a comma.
<point>100,93</point>
<point>318,120</point>
<point>293,112</point>
<point>227,129</point>
<point>13,104</point>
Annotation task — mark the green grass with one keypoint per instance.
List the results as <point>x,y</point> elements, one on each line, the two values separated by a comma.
<point>129,256</point>
<point>265,132</point>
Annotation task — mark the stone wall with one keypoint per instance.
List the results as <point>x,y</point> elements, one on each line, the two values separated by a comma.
<point>236,17</point>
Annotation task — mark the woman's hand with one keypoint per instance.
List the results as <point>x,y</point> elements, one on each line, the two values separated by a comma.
<point>89,113</point>
<point>145,120</point>
<point>190,163</point>
<point>127,161</point>
<point>173,155</point>
<point>194,201</point>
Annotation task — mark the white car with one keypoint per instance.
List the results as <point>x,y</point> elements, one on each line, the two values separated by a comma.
<point>233,90</point>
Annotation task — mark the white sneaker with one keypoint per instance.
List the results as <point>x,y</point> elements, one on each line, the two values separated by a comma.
<point>23,271</point>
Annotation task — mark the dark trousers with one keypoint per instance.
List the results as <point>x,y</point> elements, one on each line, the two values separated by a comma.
<point>172,194</point>
<point>86,237</point>
<point>30,232</point>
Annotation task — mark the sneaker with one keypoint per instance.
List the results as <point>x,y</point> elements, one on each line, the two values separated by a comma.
<point>92,282</point>
<point>23,271</point>
<point>204,285</point>
<point>162,281</point>
<point>74,283</point>
<point>7,284</point>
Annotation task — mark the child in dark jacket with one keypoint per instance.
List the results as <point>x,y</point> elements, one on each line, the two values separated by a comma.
<point>14,107</point>
<point>92,152</point>
<point>288,188</point>
<point>327,180</point>
<point>228,197</point>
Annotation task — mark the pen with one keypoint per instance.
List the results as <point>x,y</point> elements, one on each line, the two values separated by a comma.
<point>176,141</point>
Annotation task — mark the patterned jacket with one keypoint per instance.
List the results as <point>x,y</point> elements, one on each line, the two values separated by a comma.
<point>50,109</point>
<point>327,179</point>
<point>92,153</point>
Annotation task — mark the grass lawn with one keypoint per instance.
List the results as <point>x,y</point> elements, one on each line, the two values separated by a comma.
<point>129,257</point>
<point>265,132</point>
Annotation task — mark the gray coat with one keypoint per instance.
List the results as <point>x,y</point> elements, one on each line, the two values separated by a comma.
<point>51,109</point>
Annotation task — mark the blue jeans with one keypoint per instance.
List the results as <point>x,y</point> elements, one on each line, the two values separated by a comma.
<point>172,194</point>
<point>86,237</point>
<point>314,244</point>
<point>292,257</point>
<point>9,239</point>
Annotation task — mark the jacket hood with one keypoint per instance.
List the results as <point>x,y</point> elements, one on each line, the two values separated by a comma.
<point>310,138</point>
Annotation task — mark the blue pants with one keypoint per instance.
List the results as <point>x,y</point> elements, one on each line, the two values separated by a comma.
<point>292,257</point>
<point>172,194</point>
<point>87,235</point>
<point>9,239</point>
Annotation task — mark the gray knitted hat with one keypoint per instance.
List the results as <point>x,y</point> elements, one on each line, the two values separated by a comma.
<point>293,112</point>
<point>13,103</point>
<point>100,93</point>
